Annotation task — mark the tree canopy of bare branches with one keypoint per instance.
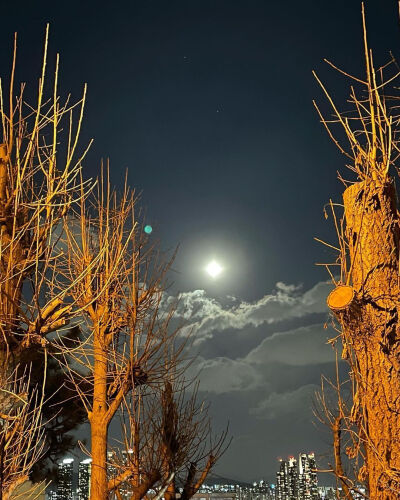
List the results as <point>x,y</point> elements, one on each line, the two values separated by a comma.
<point>39,183</point>
<point>116,279</point>
<point>167,442</point>
<point>73,254</point>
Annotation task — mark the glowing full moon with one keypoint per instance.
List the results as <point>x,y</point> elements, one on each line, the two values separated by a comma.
<point>213,269</point>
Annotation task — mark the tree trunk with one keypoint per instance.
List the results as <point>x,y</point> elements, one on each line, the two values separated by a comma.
<point>170,492</point>
<point>98,485</point>
<point>372,330</point>
<point>99,425</point>
<point>11,258</point>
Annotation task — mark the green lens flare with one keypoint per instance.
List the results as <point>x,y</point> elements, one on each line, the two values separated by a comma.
<point>148,229</point>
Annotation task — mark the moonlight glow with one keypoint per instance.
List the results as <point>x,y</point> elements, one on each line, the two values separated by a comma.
<point>213,269</point>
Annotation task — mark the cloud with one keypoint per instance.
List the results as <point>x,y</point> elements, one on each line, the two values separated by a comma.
<point>283,352</point>
<point>305,345</point>
<point>293,403</point>
<point>223,375</point>
<point>206,315</point>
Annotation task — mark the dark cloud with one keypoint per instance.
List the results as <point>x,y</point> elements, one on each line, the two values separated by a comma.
<point>303,346</point>
<point>288,403</point>
<point>224,375</point>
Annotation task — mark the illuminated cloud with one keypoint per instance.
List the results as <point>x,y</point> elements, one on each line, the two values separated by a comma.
<point>207,316</point>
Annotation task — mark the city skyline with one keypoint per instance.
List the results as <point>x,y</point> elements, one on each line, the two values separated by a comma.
<point>296,479</point>
<point>69,474</point>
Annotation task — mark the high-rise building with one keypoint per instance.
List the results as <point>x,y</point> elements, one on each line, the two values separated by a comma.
<point>308,480</point>
<point>65,472</point>
<point>281,480</point>
<point>313,476</point>
<point>287,480</point>
<point>84,471</point>
<point>292,479</point>
<point>115,463</point>
<point>297,480</point>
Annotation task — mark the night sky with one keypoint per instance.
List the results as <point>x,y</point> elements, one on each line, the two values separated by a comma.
<point>209,106</point>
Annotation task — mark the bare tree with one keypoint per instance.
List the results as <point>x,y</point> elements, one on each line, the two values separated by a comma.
<point>136,464</point>
<point>190,449</point>
<point>39,182</point>
<point>167,441</point>
<point>365,298</point>
<point>117,278</point>
<point>333,406</point>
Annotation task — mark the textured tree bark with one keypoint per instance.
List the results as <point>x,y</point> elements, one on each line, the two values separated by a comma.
<point>99,424</point>
<point>99,486</point>
<point>372,330</point>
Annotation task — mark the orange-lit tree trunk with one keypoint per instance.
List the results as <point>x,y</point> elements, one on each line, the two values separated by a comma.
<point>170,492</point>
<point>11,259</point>
<point>99,422</point>
<point>371,328</point>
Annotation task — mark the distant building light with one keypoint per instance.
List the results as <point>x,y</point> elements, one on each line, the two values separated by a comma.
<point>67,460</point>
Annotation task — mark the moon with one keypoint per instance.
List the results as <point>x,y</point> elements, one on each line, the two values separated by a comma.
<point>213,269</point>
